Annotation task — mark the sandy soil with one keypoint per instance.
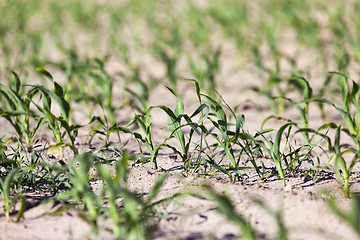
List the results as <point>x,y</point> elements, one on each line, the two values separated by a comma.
<point>302,203</point>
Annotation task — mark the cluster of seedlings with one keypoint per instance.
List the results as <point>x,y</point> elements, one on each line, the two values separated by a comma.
<point>211,140</point>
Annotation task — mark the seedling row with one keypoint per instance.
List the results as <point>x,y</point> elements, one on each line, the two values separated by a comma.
<point>49,73</point>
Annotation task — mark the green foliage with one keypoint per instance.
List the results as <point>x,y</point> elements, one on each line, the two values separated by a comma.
<point>226,207</point>
<point>184,40</point>
<point>143,96</point>
<point>16,109</point>
<point>20,173</point>
<point>206,75</point>
<point>131,213</point>
<point>59,125</point>
<point>5,187</point>
<point>341,170</point>
<point>170,63</point>
<point>175,127</point>
<point>145,123</point>
<point>352,217</point>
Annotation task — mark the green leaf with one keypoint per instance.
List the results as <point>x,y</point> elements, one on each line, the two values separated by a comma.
<point>220,114</point>
<point>197,88</point>
<point>16,83</point>
<point>45,73</point>
<point>240,120</point>
<point>56,147</point>
<point>22,209</point>
<point>58,90</point>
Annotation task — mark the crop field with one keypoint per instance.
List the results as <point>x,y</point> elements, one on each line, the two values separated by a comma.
<point>183,120</point>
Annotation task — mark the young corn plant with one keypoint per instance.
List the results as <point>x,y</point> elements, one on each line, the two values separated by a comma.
<point>143,96</point>
<point>286,156</point>
<point>17,110</point>
<point>132,216</point>
<point>174,122</point>
<point>351,127</point>
<point>206,76</point>
<point>274,149</point>
<point>342,171</point>
<point>342,168</point>
<point>351,115</point>
<point>6,187</point>
<point>221,124</point>
<point>350,111</point>
<point>228,141</point>
<point>352,217</point>
<point>175,126</point>
<point>295,156</point>
<point>78,174</point>
<point>272,89</point>
<point>145,124</point>
<point>60,126</point>
<point>105,97</point>
<point>170,63</point>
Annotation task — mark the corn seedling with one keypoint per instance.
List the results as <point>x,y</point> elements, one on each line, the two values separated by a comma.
<point>143,96</point>
<point>78,173</point>
<point>274,149</point>
<point>352,217</point>
<point>206,76</point>
<point>105,84</point>
<point>351,119</point>
<point>77,87</point>
<point>351,116</point>
<point>341,169</point>
<point>62,122</point>
<point>221,124</point>
<point>272,85</point>
<point>6,188</point>
<point>17,110</point>
<point>170,63</point>
<point>228,140</point>
<point>132,215</point>
<point>144,122</point>
<point>175,126</point>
